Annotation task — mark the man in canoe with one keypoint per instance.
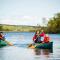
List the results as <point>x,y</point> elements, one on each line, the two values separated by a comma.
<point>38,35</point>
<point>2,36</point>
<point>3,39</point>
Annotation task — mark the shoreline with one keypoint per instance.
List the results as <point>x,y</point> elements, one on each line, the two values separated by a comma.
<point>25,31</point>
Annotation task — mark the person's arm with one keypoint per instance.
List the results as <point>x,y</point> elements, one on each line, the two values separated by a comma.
<point>34,38</point>
<point>42,34</point>
<point>3,37</point>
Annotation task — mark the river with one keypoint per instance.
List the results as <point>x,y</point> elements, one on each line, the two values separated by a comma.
<point>20,51</point>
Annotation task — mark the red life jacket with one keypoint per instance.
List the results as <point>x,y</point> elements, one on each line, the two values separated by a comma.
<point>1,36</point>
<point>34,37</point>
<point>46,39</point>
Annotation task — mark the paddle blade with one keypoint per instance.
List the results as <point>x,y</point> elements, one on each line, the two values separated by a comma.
<point>9,43</point>
<point>31,46</point>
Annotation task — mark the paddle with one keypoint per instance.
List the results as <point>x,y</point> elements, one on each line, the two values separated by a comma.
<point>31,46</point>
<point>9,43</point>
<point>3,38</point>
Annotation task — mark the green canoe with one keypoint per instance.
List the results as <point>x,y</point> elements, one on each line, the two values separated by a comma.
<point>2,43</point>
<point>44,45</point>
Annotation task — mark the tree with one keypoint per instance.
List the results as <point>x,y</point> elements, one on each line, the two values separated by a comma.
<point>0,27</point>
<point>54,24</point>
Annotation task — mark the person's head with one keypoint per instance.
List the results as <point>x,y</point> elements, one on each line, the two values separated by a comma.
<point>1,32</point>
<point>37,32</point>
<point>47,35</point>
<point>42,30</point>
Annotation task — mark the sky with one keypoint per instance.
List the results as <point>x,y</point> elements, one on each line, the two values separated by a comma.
<point>27,12</point>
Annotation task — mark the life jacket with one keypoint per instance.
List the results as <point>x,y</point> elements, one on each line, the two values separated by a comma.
<point>1,36</point>
<point>41,35</point>
<point>37,38</point>
<point>34,37</point>
<point>46,39</point>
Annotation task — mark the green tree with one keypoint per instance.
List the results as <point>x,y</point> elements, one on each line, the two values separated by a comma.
<point>54,24</point>
<point>0,27</point>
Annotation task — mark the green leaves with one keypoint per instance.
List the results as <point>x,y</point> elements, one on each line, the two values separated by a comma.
<point>54,24</point>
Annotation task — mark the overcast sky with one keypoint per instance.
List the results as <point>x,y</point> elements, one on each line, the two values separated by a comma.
<point>27,12</point>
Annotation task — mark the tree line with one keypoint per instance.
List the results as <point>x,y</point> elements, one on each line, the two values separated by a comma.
<point>53,26</point>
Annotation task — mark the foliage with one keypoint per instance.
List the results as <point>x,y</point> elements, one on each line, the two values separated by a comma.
<point>1,28</point>
<point>54,24</point>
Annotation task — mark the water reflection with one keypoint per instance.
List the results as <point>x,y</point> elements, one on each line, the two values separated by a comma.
<point>43,51</point>
<point>1,54</point>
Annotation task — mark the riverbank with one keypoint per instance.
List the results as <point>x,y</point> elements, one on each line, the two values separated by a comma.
<point>25,28</point>
<point>18,28</point>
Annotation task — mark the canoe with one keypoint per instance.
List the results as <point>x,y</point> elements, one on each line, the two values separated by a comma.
<point>2,43</point>
<point>44,45</point>
<point>41,45</point>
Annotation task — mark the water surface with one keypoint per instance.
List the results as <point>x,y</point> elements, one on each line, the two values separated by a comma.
<point>20,51</point>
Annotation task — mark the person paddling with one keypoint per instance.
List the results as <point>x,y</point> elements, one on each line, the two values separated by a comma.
<point>2,36</point>
<point>3,39</point>
<point>37,37</point>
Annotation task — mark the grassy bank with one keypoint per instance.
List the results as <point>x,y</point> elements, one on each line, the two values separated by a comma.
<point>18,28</point>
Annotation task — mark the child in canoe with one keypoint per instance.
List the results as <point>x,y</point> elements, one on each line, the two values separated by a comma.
<point>46,39</point>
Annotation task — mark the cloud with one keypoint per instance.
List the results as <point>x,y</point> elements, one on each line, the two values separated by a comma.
<point>27,17</point>
<point>22,20</point>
